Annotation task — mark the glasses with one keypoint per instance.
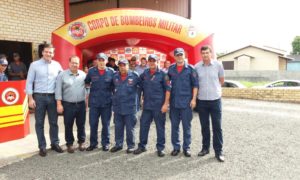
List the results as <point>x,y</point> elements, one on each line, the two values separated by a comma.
<point>3,65</point>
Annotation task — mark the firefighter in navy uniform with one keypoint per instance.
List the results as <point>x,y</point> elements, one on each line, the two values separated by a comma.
<point>126,84</point>
<point>184,81</point>
<point>100,80</point>
<point>155,83</point>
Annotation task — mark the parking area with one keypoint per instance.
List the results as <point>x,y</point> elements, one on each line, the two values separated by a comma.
<point>261,141</point>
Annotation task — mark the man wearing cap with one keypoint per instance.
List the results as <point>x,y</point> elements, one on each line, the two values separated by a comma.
<point>40,87</point>
<point>3,66</point>
<point>211,78</point>
<point>184,90</point>
<point>155,83</point>
<point>70,98</point>
<point>100,81</point>
<point>126,85</point>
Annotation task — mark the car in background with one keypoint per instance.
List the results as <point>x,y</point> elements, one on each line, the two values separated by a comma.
<point>286,84</point>
<point>233,84</point>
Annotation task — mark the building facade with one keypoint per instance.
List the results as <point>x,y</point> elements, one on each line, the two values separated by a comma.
<point>254,58</point>
<point>26,24</point>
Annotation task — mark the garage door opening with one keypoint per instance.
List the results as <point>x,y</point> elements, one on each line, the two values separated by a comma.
<point>23,48</point>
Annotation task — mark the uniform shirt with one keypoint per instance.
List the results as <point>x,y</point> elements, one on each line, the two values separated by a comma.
<point>70,87</point>
<point>14,68</point>
<point>154,89</point>
<point>3,77</point>
<point>125,93</point>
<point>101,87</point>
<point>182,85</point>
<point>43,75</point>
<point>209,84</point>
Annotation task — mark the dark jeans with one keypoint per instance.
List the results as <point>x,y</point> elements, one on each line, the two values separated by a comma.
<point>74,112</point>
<point>214,109</point>
<point>45,103</point>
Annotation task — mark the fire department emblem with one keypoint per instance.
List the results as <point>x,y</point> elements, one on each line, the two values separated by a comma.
<point>10,96</point>
<point>192,32</point>
<point>77,30</point>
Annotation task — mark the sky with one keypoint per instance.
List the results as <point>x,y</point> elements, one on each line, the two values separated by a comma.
<point>238,23</point>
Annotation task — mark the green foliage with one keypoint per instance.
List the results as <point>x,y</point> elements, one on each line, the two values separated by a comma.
<point>296,45</point>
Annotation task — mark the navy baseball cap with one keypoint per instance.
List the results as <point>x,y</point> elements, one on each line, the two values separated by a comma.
<point>178,51</point>
<point>3,61</point>
<point>101,56</point>
<point>152,56</point>
<point>123,61</point>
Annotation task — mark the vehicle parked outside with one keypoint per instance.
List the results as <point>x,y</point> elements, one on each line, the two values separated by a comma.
<point>286,84</point>
<point>233,84</point>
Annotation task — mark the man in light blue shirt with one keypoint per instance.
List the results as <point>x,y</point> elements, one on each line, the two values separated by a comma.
<point>211,77</point>
<point>40,88</point>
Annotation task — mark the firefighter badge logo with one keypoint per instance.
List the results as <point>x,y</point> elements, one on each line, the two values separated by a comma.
<point>77,30</point>
<point>10,96</point>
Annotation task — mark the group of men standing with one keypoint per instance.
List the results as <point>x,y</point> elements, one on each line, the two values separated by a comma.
<point>181,89</point>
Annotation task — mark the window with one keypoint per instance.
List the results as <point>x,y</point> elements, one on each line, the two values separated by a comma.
<point>228,65</point>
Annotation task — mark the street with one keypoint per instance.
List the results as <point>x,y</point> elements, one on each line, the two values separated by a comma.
<point>261,141</point>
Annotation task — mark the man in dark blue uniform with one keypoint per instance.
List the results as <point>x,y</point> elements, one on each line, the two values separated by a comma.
<point>126,84</point>
<point>155,83</point>
<point>100,81</point>
<point>184,90</point>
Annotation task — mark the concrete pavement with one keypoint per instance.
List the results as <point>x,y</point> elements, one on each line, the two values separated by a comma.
<point>16,150</point>
<point>261,141</point>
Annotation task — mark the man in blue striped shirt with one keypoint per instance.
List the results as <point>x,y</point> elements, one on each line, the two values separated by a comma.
<point>40,88</point>
<point>211,77</point>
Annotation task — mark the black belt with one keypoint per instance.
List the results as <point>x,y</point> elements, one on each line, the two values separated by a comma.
<point>44,94</point>
<point>74,102</point>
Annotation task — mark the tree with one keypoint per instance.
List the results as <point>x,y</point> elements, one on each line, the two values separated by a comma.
<point>296,45</point>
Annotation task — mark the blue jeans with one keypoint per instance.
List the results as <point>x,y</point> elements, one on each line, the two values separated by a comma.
<point>127,121</point>
<point>74,112</point>
<point>214,109</point>
<point>185,115</point>
<point>45,103</point>
<point>146,120</point>
<point>95,114</point>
